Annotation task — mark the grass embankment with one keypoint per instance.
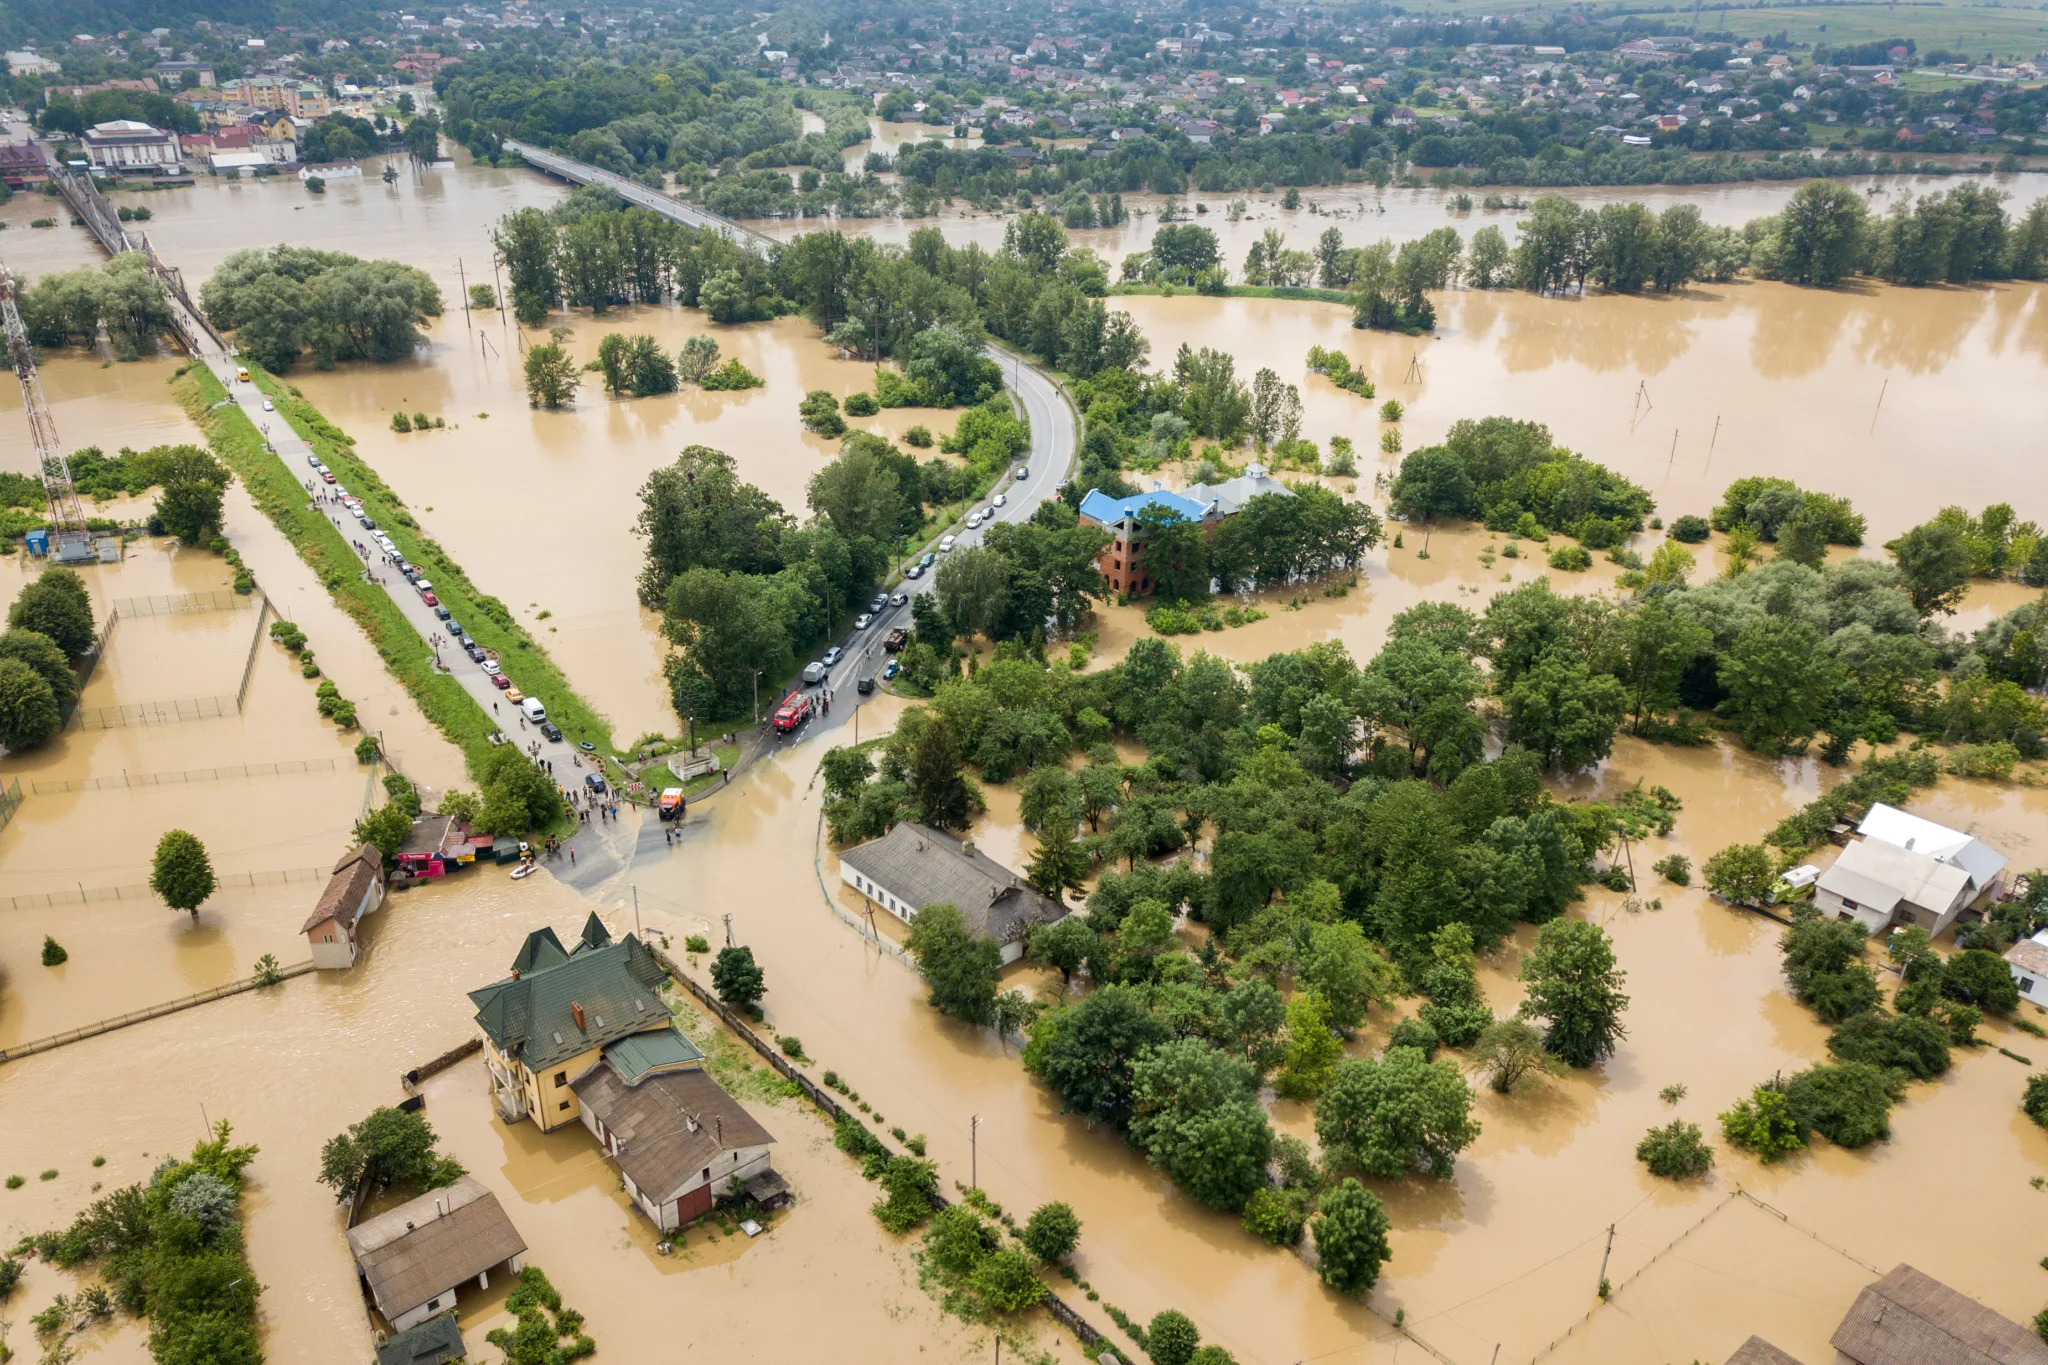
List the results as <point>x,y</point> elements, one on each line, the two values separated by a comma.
<point>277,491</point>
<point>1236,291</point>
<point>487,619</point>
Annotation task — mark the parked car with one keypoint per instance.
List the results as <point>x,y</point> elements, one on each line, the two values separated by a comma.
<point>914,571</point>
<point>881,600</point>
<point>474,650</point>
<point>891,671</point>
<point>973,521</point>
<point>928,560</point>
<point>1023,473</point>
<point>455,629</point>
<point>514,695</point>
<point>833,656</point>
<point>368,525</point>
<point>551,730</point>
<point>269,406</point>
<point>898,599</point>
<point>999,500</point>
<point>430,599</point>
<point>814,673</point>
<point>862,621</point>
<point>314,460</point>
<point>490,663</point>
<point>423,585</point>
<point>327,476</point>
<point>500,681</point>
<point>865,685</point>
<point>946,545</point>
<point>596,783</point>
<point>442,612</point>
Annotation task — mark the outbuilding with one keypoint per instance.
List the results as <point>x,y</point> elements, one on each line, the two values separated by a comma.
<point>677,1137</point>
<point>354,889</point>
<point>2027,960</point>
<point>913,866</point>
<point>413,1258</point>
<point>1908,1318</point>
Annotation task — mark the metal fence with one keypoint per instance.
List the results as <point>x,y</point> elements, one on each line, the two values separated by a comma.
<point>119,1021</point>
<point>154,712</point>
<point>290,768</point>
<point>86,895</point>
<point>172,603</point>
<point>10,801</point>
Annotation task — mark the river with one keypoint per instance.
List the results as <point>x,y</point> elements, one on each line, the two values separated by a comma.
<point>533,504</point>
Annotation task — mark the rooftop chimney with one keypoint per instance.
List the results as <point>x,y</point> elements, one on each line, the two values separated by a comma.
<point>576,1013</point>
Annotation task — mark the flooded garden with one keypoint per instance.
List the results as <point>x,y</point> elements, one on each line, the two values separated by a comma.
<point>1858,392</point>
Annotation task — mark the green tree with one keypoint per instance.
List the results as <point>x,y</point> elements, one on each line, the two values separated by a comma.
<point>973,588</point>
<point>1780,683</point>
<point>181,873</point>
<point>1978,977</point>
<point>1350,1230</point>
<point>959,966</point>
<point>1175,553</point>
<point>1564,713</point>
<point>1398,1114</point>
<point>1661,645</point>
<point>1197,1117</point>
<point>731,627</point>
<point>1510,1050</point>
<point>2034,1099</point>
<point>1741,873</point>
<point>1848,1103</point>
<point>1171,1338</point>
<point>385,829</point>
<point>1052,1232</point>
<point>1763,1124</point>
<point>390,1147</point>
<point>1312,1049</point>
<point>738,978</point>
<point>1676,1151</point>
<point>1434,483</point>
<point>41,654</point>
<point>1063,945</point>
<point>28,706</point>
<point>1574,986</point>
<point>1086,1052</point>
<point>551,377</point>
<point>1820,234</point>
<point>1060,864</point>
<point>1349,975</point>
<point>56,605</point>
<point>937,782</point>
<point>1935,564</point>
<point>193,484</point>
<point>1007,1282</point>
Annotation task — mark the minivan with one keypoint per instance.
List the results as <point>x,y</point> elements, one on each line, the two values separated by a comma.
<point>535,712</point>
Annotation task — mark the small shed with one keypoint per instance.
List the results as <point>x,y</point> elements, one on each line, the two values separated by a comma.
<point>2027,960</point>
<point>1908,1318</point>
<point>1757,1351</point>
<point>433,1342</point>
<point>414,1257</point>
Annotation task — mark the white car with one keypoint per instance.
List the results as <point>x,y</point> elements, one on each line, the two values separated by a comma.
<point>946,545</point>
<point>973,520</point>
<point>490,664</point>
<point>861,621</point>
<point>269,406</point>
<point>1000,500</point>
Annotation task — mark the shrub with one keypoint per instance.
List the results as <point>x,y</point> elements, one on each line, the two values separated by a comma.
<point>1277,1216</point>
<point>1571,558</point>
<point>919,436</point>
<point>1848,1103</point>
<point>367,749</point>
<point>1391,410</point>
<point>1676,869</point>
<point>861,405</point>
<point>2034,1102</point>
<point>910,1188</point>
<point>1414,1033</point>
<point>53,952</point>
<point>1052,1232</point>
<point>1763,1124</point>
<point>1909,1043</point>
<point>697,943</point>
<point>1676,1151</point>
<point>1390,441</point>
<point>1689,530</point>
<point>400,422</point>
<point>791,1046</point>
<point>1172,1338</point>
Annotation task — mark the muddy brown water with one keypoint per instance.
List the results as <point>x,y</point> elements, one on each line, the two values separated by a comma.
<point>1506,1253</point>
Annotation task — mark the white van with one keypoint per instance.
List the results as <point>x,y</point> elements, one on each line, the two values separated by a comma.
<point>535,712</point>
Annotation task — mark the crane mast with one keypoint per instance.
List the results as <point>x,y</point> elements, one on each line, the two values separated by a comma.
<point>67,518</point>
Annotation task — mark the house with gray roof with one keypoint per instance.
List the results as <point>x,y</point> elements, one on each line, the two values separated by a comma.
<point>1228,498</point>
<point>1908,1318</point>
<point>1907,870</point>
<point>678,1139</point>
<point>413,1258</point>
<point>913,866</point>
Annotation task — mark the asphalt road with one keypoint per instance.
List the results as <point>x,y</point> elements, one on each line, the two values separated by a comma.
<point>1055,441</point>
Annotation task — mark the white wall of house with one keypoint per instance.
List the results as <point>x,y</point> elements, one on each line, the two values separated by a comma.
<point>1831,904</point>
<point>743,1163</point>
<point>2033,986</point>
<point>880,895</point>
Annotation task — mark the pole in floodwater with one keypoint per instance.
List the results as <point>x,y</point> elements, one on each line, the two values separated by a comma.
<point>1880,404</point>
<point>463,276</point>
<point>1674,453</point>
<point>1603,1260</point>
<point>1711,441</point>
<point>728,929</point>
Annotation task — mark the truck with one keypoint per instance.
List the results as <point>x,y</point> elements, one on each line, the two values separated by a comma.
<point>894,641</point>
<point>792,713</point>
<point>672,803</point>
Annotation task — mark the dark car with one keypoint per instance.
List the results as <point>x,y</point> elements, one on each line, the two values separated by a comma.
<point>442,611</point>
<point>455,629</point>
<point>368,525</point>
<point>474,650</point>
<point>928,560</point>
<point>914,571</point>
<point>595,783</point>
<point>865,685</point>
<point>551,730</point>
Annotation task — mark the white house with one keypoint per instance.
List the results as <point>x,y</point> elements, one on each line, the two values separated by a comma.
<point>1877,884</point>
<point>414,1257</point>
<point>913,866</point>
<point>2027,960</point>
<point>354,889</point>
<point>1986,865</point>
<point>125,145</point>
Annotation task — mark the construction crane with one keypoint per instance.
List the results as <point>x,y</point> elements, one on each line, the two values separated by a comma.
<point>67,519</point>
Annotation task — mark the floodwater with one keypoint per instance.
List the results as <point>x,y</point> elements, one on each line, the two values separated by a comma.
<point>1506,1254</point>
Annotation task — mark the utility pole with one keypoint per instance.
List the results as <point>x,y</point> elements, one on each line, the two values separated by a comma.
<point>1674,453</point>
<point>1603,1260</point>
<point>1712,440</point>
<point>974,1152</point>
<point>728,928</point>
<point>1880,404</point>
<point>463,276</point>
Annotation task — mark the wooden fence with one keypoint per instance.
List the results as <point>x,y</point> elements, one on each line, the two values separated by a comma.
<point>120,1021</point>
<point>1094,1341</point>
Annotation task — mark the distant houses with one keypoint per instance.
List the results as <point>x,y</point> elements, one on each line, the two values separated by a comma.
<point>581,1035</point>
<point>1908,870</point>
<point>415,1257</point>
<point>127,147</point>
<point>914,865</point>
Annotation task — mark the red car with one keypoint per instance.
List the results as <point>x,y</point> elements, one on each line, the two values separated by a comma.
<point>430,599</point>
<point>499,680</point>
<point>793,713</point>
<point>327,476</point>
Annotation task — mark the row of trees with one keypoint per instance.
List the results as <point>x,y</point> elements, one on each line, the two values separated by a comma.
<point>69,308</point>
<point>288,302</point>
<point>49,628</point>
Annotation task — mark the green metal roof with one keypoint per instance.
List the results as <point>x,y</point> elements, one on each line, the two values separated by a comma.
<point>639,1055</point>
<point>530,1016</point>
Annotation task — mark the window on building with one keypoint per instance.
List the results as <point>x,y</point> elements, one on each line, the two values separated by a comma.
<point>561,1078</point>
<point>2026,985</point>
<point>563,1105</point>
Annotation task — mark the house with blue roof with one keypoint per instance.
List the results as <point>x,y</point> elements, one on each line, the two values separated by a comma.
<point>1206,505</point>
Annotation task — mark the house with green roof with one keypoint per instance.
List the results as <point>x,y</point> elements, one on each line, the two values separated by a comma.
<point>559,1013</point>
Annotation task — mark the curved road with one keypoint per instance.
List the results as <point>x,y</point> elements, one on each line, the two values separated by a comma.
<point>1055,437</point>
